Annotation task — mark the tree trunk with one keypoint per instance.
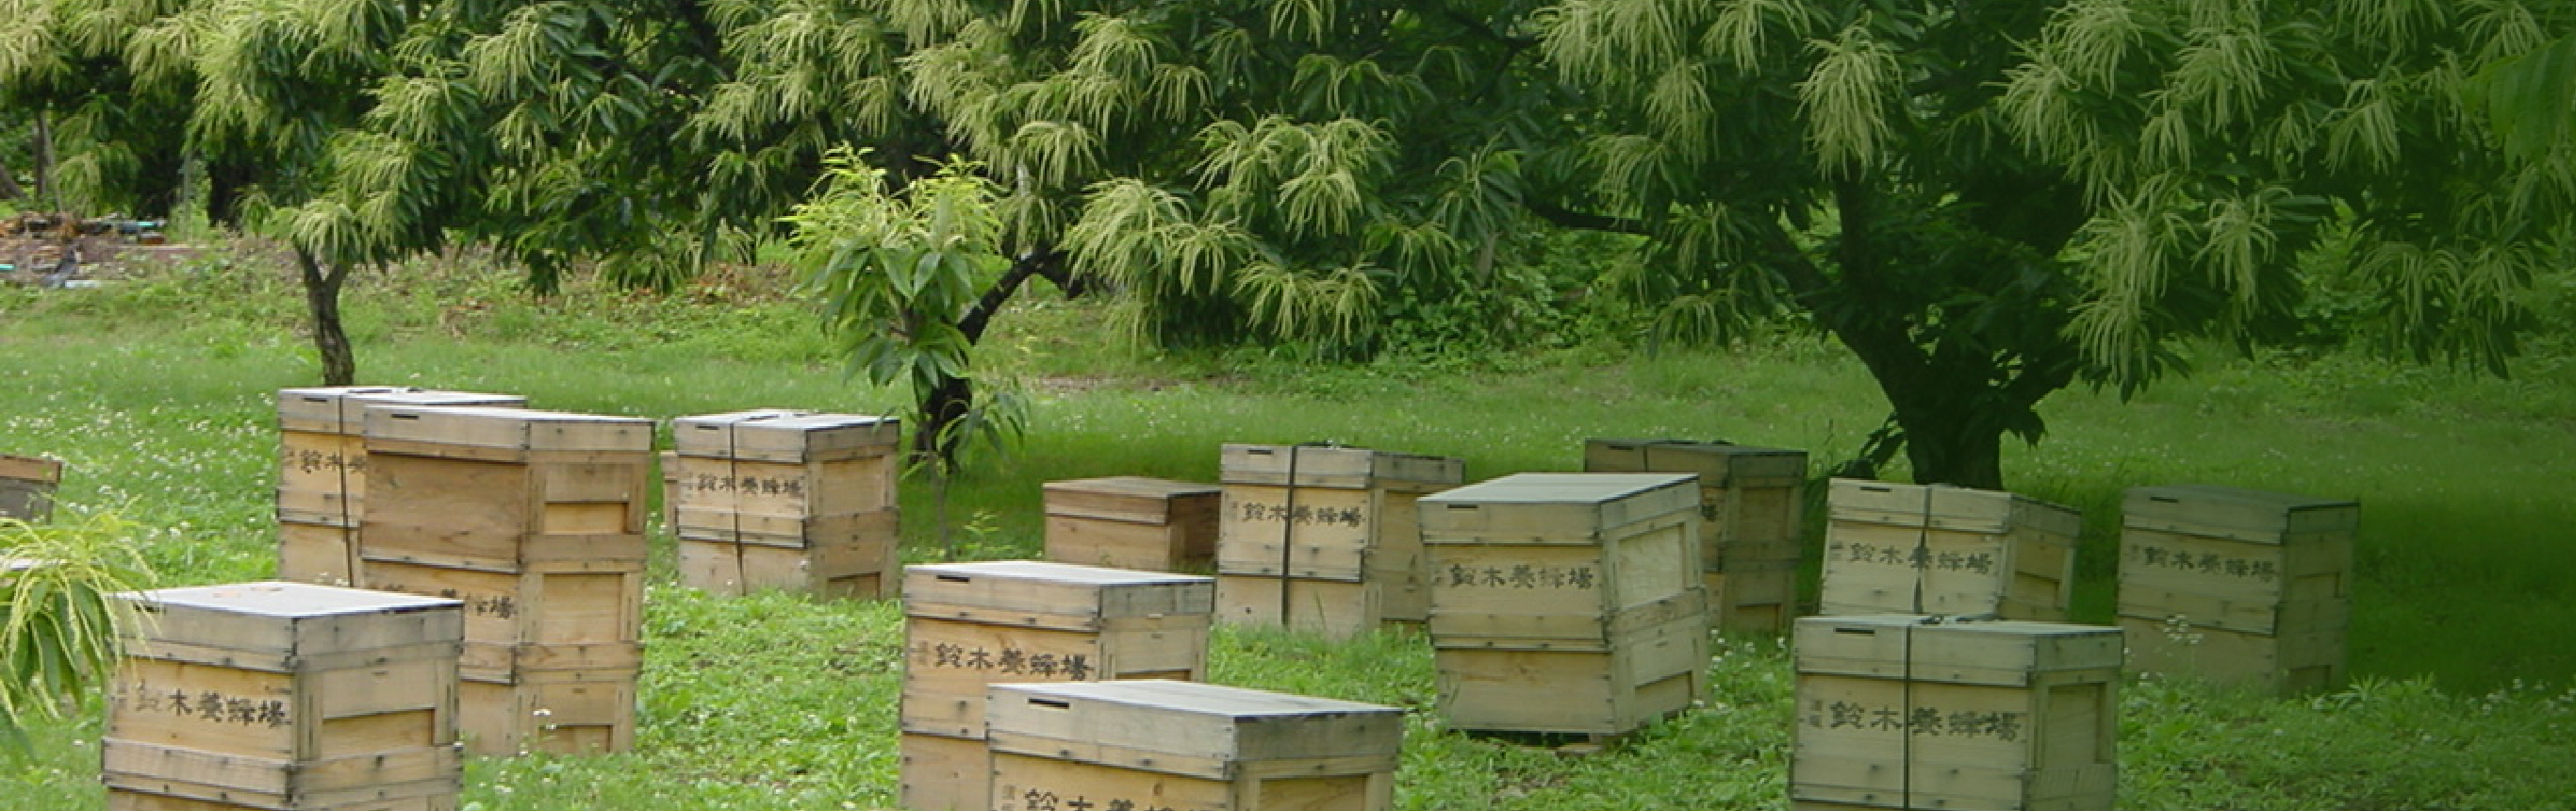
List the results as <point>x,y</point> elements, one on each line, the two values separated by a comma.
<point>45,192</point>
<point>322,295</point>
<point>941,407</point>
<point>9,188</point>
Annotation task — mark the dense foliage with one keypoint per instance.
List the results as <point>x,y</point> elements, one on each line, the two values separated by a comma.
<point>1986,204</point>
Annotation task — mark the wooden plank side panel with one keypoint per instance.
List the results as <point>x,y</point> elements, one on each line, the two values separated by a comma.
<point>942,773</point>
<point>505,611</point>
<point>568,712</point>
<point>132,800</point>
<point>1878,568</point>
<point>853,569</point>
<point>2287,664</point>
<point>314,783</point>
<point>317,553</point>
<point>449,512</point>
<point>1331,608</point>
<point>1134,499</point>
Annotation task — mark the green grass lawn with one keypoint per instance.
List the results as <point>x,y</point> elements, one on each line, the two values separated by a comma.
<point>160,396</point>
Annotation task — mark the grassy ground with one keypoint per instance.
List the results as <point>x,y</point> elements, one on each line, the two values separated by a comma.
<point>159,393</point>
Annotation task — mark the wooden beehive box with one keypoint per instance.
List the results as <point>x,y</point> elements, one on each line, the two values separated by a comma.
<point>1324,539</point>
<point>788,500</point>
<point>1911,712</point>
<point>504,489</point>
<point>1752,502</point>
<point>1132,522</point>
<point>2237,586</point>
<point>322,472</point>
<point>1166,744</point>
<point>1937,549</point>
<point>284,695</point>
<point>1566,602</point>
<point>27,487</point>
<point>536,520</point>
<point>970,625</point>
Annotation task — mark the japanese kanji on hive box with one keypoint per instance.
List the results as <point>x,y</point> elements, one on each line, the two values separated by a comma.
<point>1324,539</point>
<point>285,696</point>
<point>2237,586</point>
<point>970,625</point>
<point>1904,711</point>
<point>1937,549</point>
<point>1566,602</point>
<point>787,500</point>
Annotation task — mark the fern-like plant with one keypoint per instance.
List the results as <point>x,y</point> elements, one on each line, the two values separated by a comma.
<point>59,626</point>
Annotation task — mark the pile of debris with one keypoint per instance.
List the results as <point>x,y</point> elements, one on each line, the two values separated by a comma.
<point>53,249</point>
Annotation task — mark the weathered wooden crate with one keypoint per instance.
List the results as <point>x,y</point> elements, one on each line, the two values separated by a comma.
<point>1752,497</point>
<point>1647,662</point>
<point>1566,547</point>
<point>786,500</point>
<point>1913,712</point>
<point>1566,602</point>
<point>281,695</point>
<point>322,459</point>
<point>841,556</point>
<point>768,472</point>
<point>969,625</point>
<point>1132,522</point>
<point>564,711</point>
<point>1165,744</point>
<point>1752,505</point>
<point>536,520</point>
<point>1937,549</point>
<point>27,487</point>
<point>504,490</point>
<point>1305,513</point>
<point>2237,586</point>
<point>322,472</point>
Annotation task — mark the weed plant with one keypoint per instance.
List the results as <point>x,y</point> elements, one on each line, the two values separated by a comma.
<point>158,391</point>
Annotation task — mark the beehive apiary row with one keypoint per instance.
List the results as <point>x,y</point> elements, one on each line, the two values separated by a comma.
<point>1561,603</point>
<point>2218,583</point>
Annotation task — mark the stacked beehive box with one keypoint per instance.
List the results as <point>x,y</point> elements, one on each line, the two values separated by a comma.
<point>970,625</point>
<point>786,500</point>
<point>1324,539</point>
<point>1566,602</point>
<point>1752,502</point>
<point>2238,586</point>
<point>285,696</point>
<point>322,473</point>
<point>1158,744</point>
<point>535,519</point>
<point>1906,712</point>
<point>1936,549</point>
<point>27,487</point>
<point>1132,522</point>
